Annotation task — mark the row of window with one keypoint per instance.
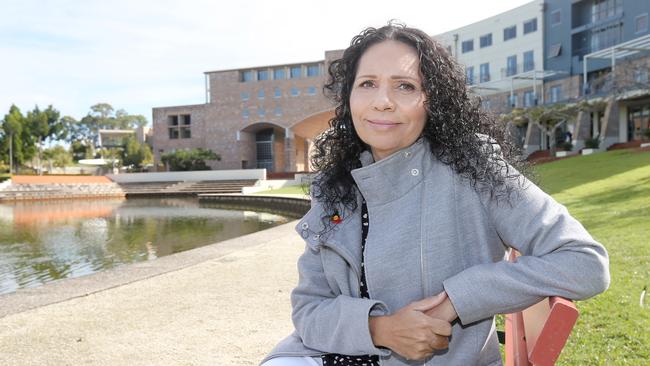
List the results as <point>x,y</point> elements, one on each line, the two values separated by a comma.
<point>280,73</point>
<point>508,34</point>
<point>512,68</point>
<point>261,112</point>
<point>277,93</point>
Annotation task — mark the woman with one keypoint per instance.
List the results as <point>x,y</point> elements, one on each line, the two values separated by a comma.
<point>413,212</point>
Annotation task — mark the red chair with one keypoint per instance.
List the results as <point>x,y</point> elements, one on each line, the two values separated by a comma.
<point>536,335</point>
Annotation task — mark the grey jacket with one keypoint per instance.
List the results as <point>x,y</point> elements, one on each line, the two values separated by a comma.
<point>429,231</point>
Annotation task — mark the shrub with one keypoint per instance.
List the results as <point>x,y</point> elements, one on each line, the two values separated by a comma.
<point>592,142</point>
<point>566,146</point>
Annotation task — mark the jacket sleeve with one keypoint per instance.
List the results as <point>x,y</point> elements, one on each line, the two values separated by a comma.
<point>325,320</point>
<point>558,258</point>
<point>329,322</point>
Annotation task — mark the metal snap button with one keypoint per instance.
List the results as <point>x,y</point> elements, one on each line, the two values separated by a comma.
<point>305,226</point>
<point>407,154</point>
<point>415,172</point>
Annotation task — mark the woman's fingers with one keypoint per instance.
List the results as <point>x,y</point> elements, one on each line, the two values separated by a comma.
<point>429,302</point>
<point>440,327</point>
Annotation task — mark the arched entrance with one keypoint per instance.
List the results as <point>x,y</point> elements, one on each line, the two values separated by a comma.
<point>305,132</point>
<point>262,146</point>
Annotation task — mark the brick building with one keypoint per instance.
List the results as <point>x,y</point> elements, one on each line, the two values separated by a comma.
<point>261,117</point>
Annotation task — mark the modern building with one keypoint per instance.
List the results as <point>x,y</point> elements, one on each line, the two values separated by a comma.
<point>602,48</point>
<point>544,52</point>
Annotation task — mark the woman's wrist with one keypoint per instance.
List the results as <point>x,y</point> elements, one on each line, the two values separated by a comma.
<point>377,326</point>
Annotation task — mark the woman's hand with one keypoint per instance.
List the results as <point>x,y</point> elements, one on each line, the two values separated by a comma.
<point>410,332</point>
<point>444,309</point>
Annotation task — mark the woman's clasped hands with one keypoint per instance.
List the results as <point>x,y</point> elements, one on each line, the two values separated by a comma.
<point>417,330</point>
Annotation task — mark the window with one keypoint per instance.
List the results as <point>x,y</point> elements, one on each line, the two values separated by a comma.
<point>260,94</point>
<point>641,23</point>
<point>311,90</point>
<point>606,37</point>
<point>530,26</point>
<point>529,98</point>
<point>263,75</point>
<point>468,46</point>
<point>279,74</point>
<point>486,40</point>
<point>555,50</point>
<point>186,132</point>
<point>511,65</point>
<point>469,75</point>
<point>277,111</point>
<point>509,33</point>
<point>313,70</point>
<point>555,93</point>
<point>245,96</point>
<point>277,92</point>
<point>604,9</point>
<point>260,111</point>
<point>247,75</point>
<point>179,126</point>
<point>245,113</point>
<point>529,61</point>
<point>485,72</point>
<point>295,72</point>
<point>556,17</point>
<point>512,100</point>
<point>295,92</point>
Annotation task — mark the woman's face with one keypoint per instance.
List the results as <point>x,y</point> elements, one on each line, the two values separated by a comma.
<point>387,100</point>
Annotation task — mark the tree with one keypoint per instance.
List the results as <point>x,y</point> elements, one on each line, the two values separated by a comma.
<point>135,155</point>
<point>12,126</point>
<point>58,156</point>
<point>548,118</point>
<point>102,116</point>
<point>45,125</point>
<point>184,160</point>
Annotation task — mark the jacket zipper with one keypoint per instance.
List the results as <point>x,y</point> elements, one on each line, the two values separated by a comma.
<point>422,278</point>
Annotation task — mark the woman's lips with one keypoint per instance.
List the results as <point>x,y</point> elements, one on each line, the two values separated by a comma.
<point>382,124</point>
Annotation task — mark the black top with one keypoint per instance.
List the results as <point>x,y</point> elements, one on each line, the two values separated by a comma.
<point>331,359</point>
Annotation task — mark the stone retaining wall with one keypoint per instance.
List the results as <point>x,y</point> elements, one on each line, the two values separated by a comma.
<point>281,205</point>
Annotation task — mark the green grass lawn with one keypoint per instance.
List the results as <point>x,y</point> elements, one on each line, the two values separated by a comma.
<point>610,194</point>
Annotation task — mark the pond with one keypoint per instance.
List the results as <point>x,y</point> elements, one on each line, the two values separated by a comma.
<point>43,241</point>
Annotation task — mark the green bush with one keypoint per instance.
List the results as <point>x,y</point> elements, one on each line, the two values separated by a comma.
<point>592,142</point>
<point>646,133</point>
<point>566,146</point>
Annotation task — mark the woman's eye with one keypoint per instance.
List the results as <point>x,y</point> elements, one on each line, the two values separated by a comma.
<point>366,84</point>
<point>406,86</point>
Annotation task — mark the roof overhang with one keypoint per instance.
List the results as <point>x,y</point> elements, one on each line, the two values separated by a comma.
<point>523,80</point>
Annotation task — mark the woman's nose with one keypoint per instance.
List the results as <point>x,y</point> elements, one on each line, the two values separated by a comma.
<point>383,100</point>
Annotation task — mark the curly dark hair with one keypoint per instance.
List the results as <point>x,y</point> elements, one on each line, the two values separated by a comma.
<point>456,127</point>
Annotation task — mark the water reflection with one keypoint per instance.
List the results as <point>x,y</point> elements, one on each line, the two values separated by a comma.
<point>49,240</point>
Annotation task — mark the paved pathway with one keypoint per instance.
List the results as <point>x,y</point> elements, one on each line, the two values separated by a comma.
<point>224,304</point>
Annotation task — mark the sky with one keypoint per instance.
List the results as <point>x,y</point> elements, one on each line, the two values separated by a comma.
<point>141,54</point>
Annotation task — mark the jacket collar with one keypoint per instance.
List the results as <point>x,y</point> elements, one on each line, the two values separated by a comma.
<point>392,177</point>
